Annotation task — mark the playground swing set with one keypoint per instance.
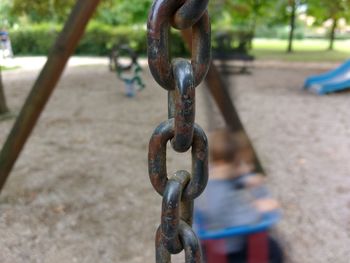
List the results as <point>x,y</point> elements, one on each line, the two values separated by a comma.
<point>129,73</point>
<point>175,233</point>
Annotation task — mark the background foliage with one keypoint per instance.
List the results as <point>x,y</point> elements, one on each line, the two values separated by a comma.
<point>34,24</point>
<point>97,40</point>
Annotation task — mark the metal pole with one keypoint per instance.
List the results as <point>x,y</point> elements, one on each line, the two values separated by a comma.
<point>219,92</point>
<point>223,100</point>
<point>45,84</point>
<point>222,97</point>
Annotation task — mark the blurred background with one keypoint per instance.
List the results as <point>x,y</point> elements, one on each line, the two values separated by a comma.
<point>272,27</point>
<point>80,191</point>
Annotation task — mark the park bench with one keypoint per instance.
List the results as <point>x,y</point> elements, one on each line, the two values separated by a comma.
<point>233,46</point>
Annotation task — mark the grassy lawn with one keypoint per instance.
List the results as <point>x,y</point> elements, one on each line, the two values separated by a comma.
<point>304,50</point>
<point>3,68</point>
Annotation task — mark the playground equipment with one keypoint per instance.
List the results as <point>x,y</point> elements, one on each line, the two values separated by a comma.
<point>45,84</point>
<point>52,70</point>
<point>233,46</point>
<point>256,235</point>
<point>129,73</point>
<point>268,220</point>
<point>174,234</point>
<point>179,77</point>
<point>332,81</point>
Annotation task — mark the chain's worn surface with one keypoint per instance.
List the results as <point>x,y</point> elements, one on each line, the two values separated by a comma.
<point>189,13</point>
<point>184,105</point>
<point>158,43</point>
<point>179,77</point>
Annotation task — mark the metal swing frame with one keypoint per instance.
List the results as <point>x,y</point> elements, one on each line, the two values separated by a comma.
<point>46,82</point>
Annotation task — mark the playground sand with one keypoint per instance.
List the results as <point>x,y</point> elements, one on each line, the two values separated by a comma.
<point>80,190</point>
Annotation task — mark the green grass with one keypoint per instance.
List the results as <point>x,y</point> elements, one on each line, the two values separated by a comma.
<point>304,50</point>
<point>3,68</point>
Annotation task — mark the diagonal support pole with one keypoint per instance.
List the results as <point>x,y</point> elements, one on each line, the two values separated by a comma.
<point>222,97</point>
<point>218,90</point>
<point>3,106</point>
<point>45,84</point>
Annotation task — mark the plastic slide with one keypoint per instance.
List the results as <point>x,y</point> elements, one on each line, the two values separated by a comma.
<point>334,80</point>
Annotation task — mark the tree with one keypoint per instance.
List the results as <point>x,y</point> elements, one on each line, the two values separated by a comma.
<point>258,10</point>
<point>243,14</point>
<point>6,17</point>
<point>293,7</point>
<point>126,12</point>
<point>286,11</point>
<point>42,10</point>
<point>3,106</point>
<point>112,12</point>
<point>323,10</point>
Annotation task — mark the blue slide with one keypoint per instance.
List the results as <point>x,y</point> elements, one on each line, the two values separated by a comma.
<point>331,81</point>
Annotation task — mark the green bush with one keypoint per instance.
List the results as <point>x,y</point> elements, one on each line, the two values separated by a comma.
<point>33,40</point>
<point>98,39</point>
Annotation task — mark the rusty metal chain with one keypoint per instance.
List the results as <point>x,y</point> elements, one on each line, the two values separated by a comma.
<point>179,77</point>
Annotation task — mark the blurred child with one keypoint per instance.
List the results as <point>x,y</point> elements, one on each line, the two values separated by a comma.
<point>235,195</point>
<point>5,44</point>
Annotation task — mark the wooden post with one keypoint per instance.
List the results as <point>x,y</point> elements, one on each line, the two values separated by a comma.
<point>45,84</point>
<point>218,90</point>
<point>3,105</point>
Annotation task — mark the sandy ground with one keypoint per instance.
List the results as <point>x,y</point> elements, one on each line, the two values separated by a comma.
<point>80,191</point>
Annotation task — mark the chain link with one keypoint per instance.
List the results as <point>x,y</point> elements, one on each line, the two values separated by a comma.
<point>183,105</point>
<point>170,219</point>
<point>158,44</point>
<point>189,13</point>
<point>179,77</point>
<point>157,168</point>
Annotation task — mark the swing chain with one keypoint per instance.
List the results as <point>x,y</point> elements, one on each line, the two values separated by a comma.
<point>179,77</point>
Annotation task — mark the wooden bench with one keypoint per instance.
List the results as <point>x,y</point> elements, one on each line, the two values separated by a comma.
<point>233,46</point>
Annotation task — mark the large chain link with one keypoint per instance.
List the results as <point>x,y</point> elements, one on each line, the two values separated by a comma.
<point>179,77</point>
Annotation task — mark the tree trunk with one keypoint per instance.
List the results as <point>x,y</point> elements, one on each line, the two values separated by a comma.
<point>332,34</point>
<point>256,7</point>
<point>292,27</point>
<point>3,106</point>
<point>252,33</point>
